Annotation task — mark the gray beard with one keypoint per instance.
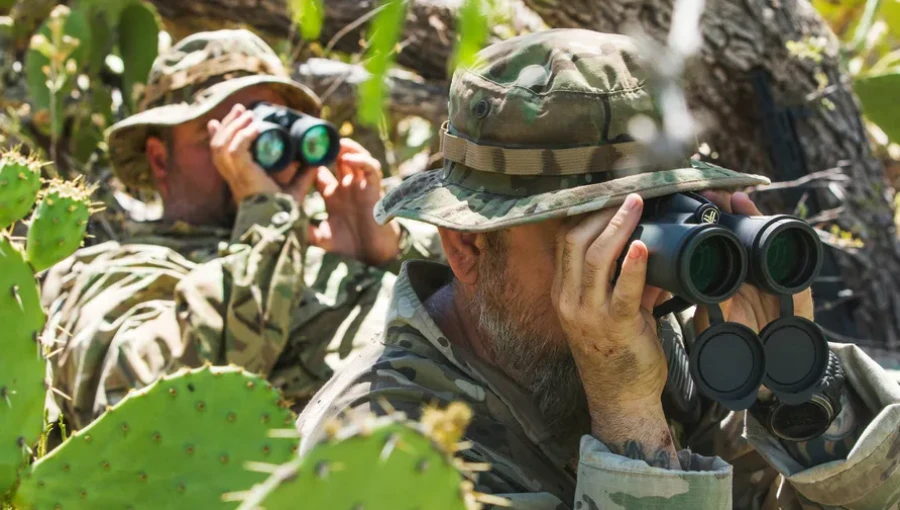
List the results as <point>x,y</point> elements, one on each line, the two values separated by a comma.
<point>544,367</point>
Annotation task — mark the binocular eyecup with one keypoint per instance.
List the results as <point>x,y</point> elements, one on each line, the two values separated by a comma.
<point>703,256</point>
<point>286,136</point>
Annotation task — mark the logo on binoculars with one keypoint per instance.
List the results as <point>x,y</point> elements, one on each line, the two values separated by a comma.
<point>710,216</point>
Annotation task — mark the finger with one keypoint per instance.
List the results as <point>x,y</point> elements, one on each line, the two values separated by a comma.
<point>367,165</point>
<point>223,138</point>
<point>573,245</point>
<point>627,295</point>
<point>326,183</point>
<point>742,204</point>
<point>239,148</point>
<point>651,296</point>
<point>212,127</point>
<point>349,146</point>
<point>604,252</point>
<point>722,199</point>
<point>236,111</point>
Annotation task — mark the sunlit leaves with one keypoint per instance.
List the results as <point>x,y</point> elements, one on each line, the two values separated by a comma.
<point>878,95</point>
<point>384,35</point>
<point>473,30</point>
<point>308,15</point>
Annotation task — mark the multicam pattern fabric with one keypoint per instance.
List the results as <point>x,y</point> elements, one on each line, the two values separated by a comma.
<point>549,92</point>
<point>256,296</point>
<point>734,463</point>
<point>191,79</point>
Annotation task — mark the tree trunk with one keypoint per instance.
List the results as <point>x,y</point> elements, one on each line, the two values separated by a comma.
<point>427,39</point>
<point>755,96</point>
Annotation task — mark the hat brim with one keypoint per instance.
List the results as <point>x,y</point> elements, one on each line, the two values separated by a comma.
<point>126,139</point>
<point>431,198</point>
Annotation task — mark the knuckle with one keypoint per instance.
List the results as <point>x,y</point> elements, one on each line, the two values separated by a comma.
<point>619,308</point>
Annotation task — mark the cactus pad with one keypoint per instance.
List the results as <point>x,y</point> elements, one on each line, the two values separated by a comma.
<point>178,443</point>
<point>58,224</point>
<point>22,369</point>
<point>20,180</point>
<point>372,463</point>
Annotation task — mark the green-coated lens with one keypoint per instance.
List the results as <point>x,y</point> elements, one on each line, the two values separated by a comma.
<point>710,264</point>
<point>316,144</point>
<point>269,149</point>
<point>784,257</point>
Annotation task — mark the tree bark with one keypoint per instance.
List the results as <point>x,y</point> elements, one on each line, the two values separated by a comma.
<point>427,39</point>
<point>337,83</point>
<point>744,57</point>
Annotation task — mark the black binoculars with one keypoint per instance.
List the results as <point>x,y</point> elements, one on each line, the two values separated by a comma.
<point>287,135</point>
<point>703,256</point>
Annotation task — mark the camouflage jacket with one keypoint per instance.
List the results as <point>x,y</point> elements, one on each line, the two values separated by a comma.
<point>734,462</point>
<point>121,315</point>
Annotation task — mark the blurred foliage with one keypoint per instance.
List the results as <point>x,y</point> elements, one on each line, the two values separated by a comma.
<point>308,15</point>
<point>869,33</point>
<point>84,65</point>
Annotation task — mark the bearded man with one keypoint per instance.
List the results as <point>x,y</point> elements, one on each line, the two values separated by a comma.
<point>560,362</point>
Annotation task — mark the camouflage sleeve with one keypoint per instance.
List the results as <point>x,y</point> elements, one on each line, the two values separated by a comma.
<point>607,480</point>
<point>863,475</point>
<point>237,308</point>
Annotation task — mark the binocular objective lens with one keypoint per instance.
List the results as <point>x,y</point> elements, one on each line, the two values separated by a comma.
<point>786,257</point>
<point>710,265</point>
<point>316,144</point>
<point>269,148</point>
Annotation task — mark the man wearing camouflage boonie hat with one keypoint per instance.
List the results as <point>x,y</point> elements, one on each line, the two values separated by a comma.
<point>236,272</point>
<point>540,192</point>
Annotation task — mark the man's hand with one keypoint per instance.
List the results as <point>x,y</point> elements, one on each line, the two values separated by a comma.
<point>350,198</point>
<point>230,141</point>
<point>750,306</point>
<point>612,333</point>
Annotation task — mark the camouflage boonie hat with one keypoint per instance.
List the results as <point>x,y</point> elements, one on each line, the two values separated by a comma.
<point>189,81</point>
<point>538,129</point>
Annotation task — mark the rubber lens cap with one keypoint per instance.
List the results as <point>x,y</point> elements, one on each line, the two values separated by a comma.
<point>728,363</point>
<point>796,358</point>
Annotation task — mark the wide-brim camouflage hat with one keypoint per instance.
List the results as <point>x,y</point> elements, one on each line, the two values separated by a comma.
<point>538,129</point>
<point>189,81</point>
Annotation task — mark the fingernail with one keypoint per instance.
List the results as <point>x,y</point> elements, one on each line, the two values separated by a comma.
<point>631,201</point>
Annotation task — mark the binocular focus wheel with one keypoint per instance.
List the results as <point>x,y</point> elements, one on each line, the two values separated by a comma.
<point>796,358</point>
<point>728,364</point>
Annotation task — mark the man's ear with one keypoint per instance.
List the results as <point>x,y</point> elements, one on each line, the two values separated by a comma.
<point>158,157</point>
<point>462,254</point>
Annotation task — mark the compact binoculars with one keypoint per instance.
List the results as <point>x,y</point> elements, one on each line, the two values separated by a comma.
<point>703,255</point>
<point>287,135</point>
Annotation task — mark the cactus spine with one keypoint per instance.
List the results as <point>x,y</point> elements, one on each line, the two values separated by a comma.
<point>20,180</point>
<point>379,463</point>
<point>178,443</point>
<point>58,223</point>
<point>22,368</point>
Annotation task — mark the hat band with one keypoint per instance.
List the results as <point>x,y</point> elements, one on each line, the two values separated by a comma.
<point>227,63</point>
<point>540,161</point>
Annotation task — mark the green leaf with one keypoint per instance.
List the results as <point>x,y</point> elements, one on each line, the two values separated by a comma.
<point>386,29</point>
<point>878,97</point>
<point>473,31</point>
<point>308,15</point>
<point>890,11</point>
<point>138,36</point>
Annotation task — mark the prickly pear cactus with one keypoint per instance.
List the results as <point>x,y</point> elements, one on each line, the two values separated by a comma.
<point>58,223</point>
<point>22,368</point>
<point>20,180</point>
<point>378,463</point>
<point>179,443</point>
